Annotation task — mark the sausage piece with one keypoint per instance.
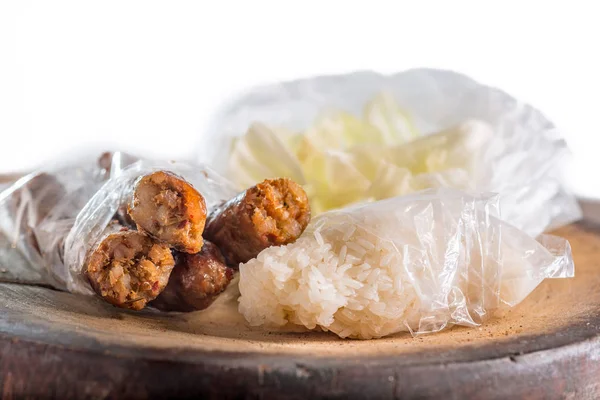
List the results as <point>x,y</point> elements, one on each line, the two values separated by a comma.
<point>272,213</point>
<point>129,269</point>
<point>169,209</point>
<point>196,281</point>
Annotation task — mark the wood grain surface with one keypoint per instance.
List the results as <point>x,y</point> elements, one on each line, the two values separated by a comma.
<point>60,345</point>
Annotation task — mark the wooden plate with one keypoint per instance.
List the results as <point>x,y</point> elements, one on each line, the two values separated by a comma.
<point>61,345</point>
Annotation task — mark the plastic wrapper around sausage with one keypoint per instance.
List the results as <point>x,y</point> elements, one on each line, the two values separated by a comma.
<point>36,213</point>
<point>416,263</point>
<point>50,218</point>
<point>522,160</point>
<point>91,222</point>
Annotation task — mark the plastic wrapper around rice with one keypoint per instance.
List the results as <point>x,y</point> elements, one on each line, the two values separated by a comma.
<point>50,219</point>
<point>416,263</point>
<point>366,136</point>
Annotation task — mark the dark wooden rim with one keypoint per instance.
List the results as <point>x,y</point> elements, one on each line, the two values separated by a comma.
<point>40,370</point>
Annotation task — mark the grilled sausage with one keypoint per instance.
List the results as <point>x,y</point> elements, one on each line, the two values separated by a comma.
<point>129,269</point>
<point>272,213</point>
<point>169,209</point>
<point>196,281</point>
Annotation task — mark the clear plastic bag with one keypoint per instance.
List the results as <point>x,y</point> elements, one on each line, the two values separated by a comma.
<point>51,218</point>
<point>36,213</point>
<point>522,159</point>
<point>417,263</point>
<point>100,210</point>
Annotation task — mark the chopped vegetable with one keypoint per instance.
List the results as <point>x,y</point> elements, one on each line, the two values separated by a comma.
<point>343,159</point>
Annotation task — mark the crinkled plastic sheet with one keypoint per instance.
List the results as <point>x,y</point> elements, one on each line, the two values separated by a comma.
<point>37,211</point>
<point>100,210</point>
<point>522,162</point>
<point>48,231</point>
<point>417,263</point>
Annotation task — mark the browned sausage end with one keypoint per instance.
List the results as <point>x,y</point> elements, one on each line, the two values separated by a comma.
<point>169,209</point>
<point>129,269</point>
<point>272,213</point>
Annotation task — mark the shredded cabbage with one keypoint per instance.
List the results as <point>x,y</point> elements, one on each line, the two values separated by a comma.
<point>343,159</point>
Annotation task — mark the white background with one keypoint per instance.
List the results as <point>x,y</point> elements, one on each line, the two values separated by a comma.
<point>147,75</point>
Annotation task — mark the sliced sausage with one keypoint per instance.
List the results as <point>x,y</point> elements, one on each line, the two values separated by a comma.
<point>169,209</point>
<point>272,213</point>
<point>129,269</point>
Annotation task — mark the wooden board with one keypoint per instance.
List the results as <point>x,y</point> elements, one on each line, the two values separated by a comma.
<point>61,345</point>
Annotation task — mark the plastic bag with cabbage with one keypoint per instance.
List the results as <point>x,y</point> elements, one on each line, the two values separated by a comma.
<point>365,137</point>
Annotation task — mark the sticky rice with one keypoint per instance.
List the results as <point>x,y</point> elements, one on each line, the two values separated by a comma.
<point>413,263</point>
